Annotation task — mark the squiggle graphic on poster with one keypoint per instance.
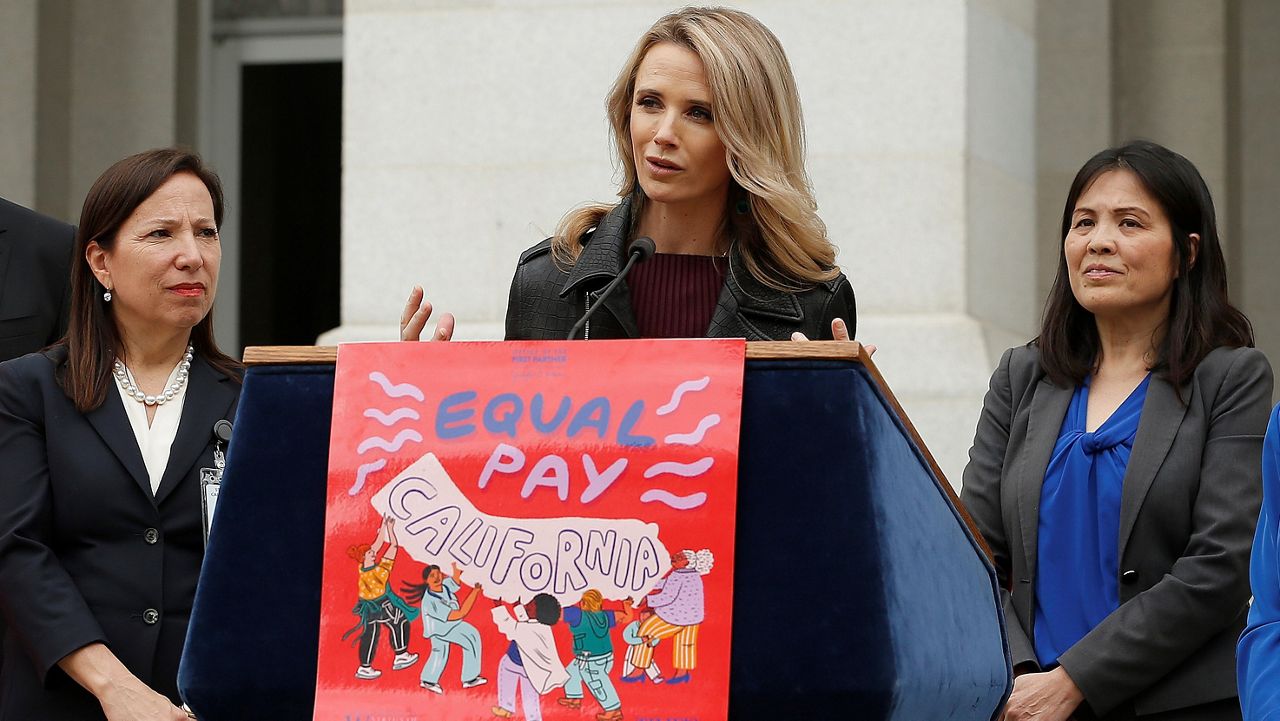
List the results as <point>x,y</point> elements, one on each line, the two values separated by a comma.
<point>515,558</point>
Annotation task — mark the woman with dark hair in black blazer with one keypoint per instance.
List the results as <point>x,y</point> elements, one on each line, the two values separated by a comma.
<point>1115,468</point>
<point>102,441</point>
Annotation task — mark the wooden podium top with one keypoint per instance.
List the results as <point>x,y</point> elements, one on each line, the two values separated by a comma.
<point>756,350</point>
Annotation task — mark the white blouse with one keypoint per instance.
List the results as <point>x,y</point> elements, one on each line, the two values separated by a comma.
<point>154,440</point>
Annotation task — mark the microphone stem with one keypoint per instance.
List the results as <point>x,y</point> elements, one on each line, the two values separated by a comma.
<point>635,256</point>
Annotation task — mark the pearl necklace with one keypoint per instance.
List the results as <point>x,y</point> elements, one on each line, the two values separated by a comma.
<point>125,379</point>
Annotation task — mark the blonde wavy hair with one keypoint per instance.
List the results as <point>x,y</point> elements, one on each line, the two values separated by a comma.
<point>592,600</point>
<point>781,239</point>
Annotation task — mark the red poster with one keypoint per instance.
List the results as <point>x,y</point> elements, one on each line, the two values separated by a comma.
<point>530,530</point>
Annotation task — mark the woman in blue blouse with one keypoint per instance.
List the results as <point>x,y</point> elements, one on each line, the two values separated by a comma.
<point>1259,653</point>
<point>1115,467</point>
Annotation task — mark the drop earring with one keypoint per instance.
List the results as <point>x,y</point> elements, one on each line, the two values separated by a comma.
<point>107,296</point>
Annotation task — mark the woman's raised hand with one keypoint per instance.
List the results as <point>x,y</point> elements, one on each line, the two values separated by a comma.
<point>839,331</point>
<point>417,311</point>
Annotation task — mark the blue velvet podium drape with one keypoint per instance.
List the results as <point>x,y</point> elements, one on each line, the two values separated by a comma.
<point>859,593</point>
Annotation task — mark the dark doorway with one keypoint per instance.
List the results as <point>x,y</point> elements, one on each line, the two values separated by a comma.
<point>290,202</point>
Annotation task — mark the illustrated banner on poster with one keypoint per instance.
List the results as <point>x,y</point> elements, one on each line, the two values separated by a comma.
<point>531,530</point>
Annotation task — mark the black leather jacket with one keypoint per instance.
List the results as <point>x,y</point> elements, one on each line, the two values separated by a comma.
<point>546,301</point>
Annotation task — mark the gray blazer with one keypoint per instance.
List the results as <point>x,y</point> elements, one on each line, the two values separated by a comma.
<point>1188,508</point>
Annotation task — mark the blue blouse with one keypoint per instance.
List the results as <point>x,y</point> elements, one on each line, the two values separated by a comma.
<point>1077,565</point>
<point>1258,655</point>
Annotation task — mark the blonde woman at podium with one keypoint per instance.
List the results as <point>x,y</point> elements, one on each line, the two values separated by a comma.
<point>1115,471</point>
<point>106,439</point>
<point>716,233</point>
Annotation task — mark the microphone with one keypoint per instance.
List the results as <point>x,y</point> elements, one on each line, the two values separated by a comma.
<point>641,250</point>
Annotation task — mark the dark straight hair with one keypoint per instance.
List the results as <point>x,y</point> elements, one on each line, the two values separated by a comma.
<point>1201,317</point>
<point>92,339</point>
<point>413,592</point>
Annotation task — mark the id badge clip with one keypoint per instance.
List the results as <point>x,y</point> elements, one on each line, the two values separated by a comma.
<point>211,478</point>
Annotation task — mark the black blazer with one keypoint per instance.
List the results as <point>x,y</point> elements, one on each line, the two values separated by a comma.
<point>35,274</point>
<point>86,553</point>
<point>546,301</point>
<point>1189,504</point>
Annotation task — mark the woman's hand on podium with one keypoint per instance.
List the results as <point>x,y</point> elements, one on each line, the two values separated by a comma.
<point>142,704</point>
<point>1049,696</point>
<point>417,311</point>
<point>839,331</point>
<point>123,696</point>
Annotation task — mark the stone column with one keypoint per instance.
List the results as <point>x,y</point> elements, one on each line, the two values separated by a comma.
<point>1255,169</point>
<point>18,110</point>
<point>113,79</point>
<point>1170,82</point>
<point>123,67</point>
<point>53,152</point>
<point>1000,171</point>
<point>1073,112</point>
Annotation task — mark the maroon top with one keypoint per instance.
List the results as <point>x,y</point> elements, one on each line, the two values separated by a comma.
<point>674,296</point>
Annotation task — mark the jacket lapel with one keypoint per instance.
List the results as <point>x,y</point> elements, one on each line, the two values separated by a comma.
<point>1162,415</point>
<point>111,423</point>
<point>1044,423</point>
<point>726,322</point>
<point>749,309</point>
<point>601,261</point>
<point>746,308</point>
<point>210,397</point>
<point>601,258</point>
<point>618,304</point>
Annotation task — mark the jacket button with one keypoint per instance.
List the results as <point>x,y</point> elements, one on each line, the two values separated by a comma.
<point>150,616</point>
<point>151,536</point>
<point>1129,577</point>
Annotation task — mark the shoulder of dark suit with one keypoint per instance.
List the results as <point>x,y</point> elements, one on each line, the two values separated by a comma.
<point>1221,360</point>
<point>32,230</point>
<point>37,365</point>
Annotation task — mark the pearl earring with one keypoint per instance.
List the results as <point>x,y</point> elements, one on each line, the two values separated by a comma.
<point>107,295</point>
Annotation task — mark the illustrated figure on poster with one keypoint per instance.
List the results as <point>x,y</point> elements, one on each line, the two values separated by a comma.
<point>592,662</point>
<point>379,607</point>
<point>631,634</point>
<point>443,625</point>
<point>678,610</point>
<point>531,664</point>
